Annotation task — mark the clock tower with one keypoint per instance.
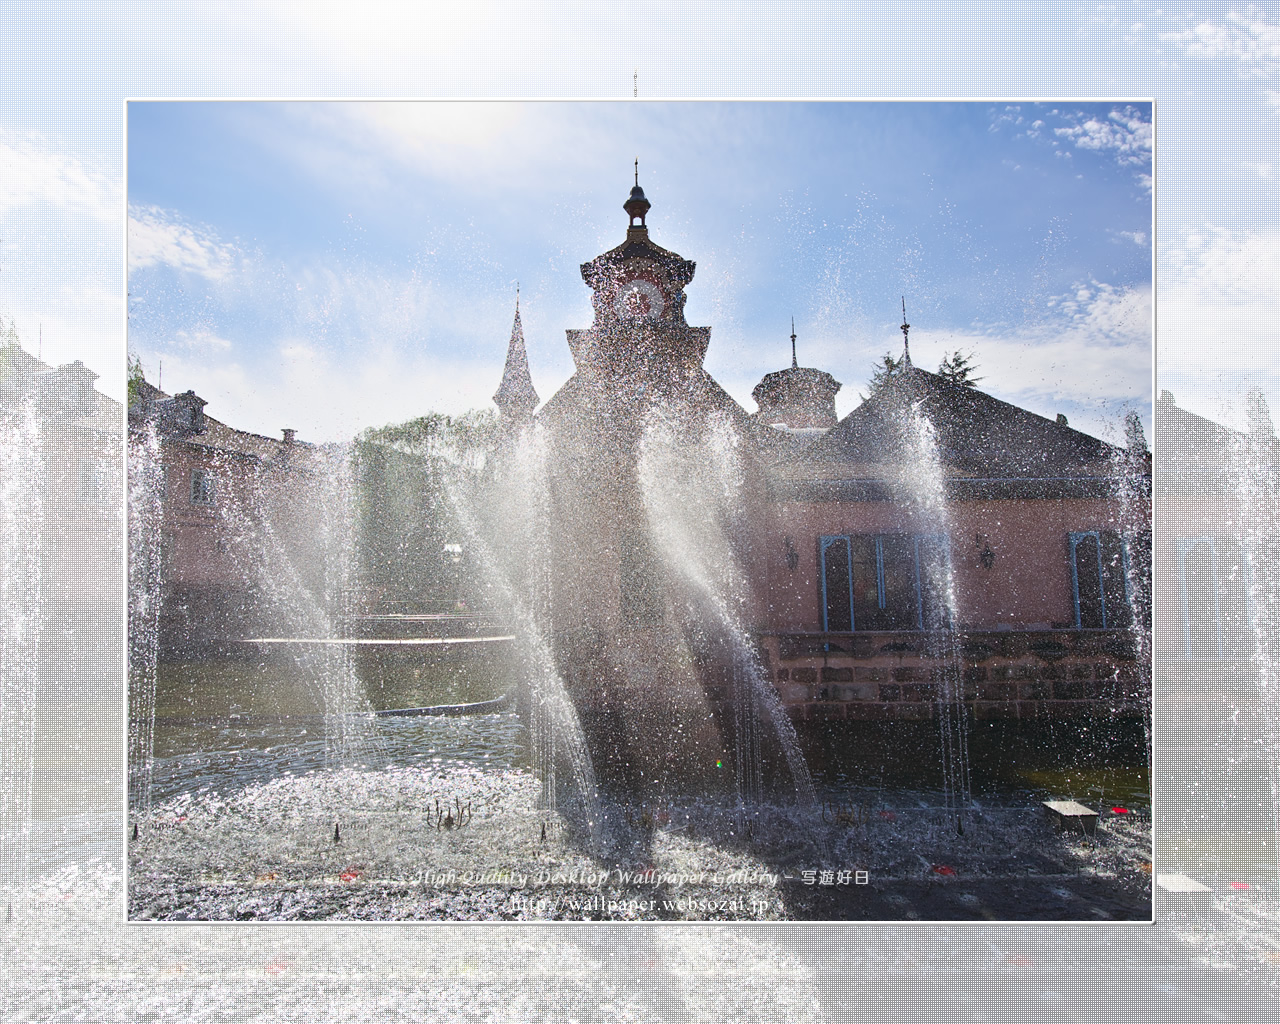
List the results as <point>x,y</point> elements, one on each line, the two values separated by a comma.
<point>638,299</point>
<point>644,672</point>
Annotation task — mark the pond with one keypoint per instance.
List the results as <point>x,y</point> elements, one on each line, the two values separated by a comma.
<point>259,814</point>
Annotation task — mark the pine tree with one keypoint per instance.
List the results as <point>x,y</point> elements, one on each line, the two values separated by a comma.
<point>885,371</point>
<point>136,379</point>
<point>958,369</point>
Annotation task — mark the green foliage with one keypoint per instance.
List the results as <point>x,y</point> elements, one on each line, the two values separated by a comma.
<point>136,379</point>
<point>462,442</point>
<point>410,477</point>
<point>885,370</point>
<point>958,369</point>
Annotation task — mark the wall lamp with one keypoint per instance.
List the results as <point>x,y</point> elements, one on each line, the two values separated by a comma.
<point>986,557</point>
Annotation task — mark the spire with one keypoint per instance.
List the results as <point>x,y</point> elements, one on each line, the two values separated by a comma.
<point>637,205</point>
<point>794,364</point>
<point>516,399</point>
<point>906,343</point>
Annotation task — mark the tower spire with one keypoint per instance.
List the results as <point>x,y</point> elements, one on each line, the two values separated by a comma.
<point>637,205</point>
<point>793,343</point>
<point>906,343</point>
<point>515,398</point>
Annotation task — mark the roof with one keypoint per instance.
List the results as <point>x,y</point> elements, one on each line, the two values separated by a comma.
<point>1199,457</point>
<point>976,435</point>
<point>64,394</point>
<point>598,273</point>
<point>594,405</point>
<point>516,391</point>
<point>792,376</point>
<point>219,437</point>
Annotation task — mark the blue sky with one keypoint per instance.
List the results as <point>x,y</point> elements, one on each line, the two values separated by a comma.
<point>331,266</point>
<point>1213,70</point>
<point>66,70</point>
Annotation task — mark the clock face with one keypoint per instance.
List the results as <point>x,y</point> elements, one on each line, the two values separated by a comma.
<point>639,299</point>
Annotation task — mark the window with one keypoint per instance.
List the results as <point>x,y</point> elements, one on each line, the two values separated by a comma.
<point>1104,570</point>
<point>1214,573</point>
<point>884,582</point>
<point>201,487</point>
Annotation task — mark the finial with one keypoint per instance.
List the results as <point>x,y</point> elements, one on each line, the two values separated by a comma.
<point>517,296</point>
<point>906,343</point>
<point>793,343</point>
<point>637,172</point>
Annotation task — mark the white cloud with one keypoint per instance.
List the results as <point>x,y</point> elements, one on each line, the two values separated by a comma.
<point>35,174</point>
<point>161,238</point>
<point>200,339</point>
<point>326,398</point>
<point>1219,307</point>
<point>1248,38</point>
<point>1124,133</point>
<point>330,350</point>
<point>79,320</point>
<point>1090,356</point>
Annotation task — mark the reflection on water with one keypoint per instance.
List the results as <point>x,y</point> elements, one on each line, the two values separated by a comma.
<point>195,756</point>
<point>221,726</point>
<point>249,805</point>
<point>1012,763</point>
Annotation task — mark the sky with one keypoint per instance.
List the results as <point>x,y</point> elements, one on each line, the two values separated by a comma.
<point>335,266</point>
<point>66,71</point>
<point>1213,71</point>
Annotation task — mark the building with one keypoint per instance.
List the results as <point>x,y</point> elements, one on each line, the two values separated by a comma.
<point>245,536</point>
<point>202,494</point>
<point>1215,656</point>
<point>1021,541</point>
<point>877,566</point>
<point>62,483</point>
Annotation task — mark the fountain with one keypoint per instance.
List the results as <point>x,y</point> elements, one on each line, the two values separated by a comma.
<point>144,518</point>
<point>628,537</point>
<point>1257,472</point>
<point>22,479</point>
<point>924,482</point>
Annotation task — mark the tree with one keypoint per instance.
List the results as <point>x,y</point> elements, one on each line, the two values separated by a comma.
<point>459,442</point>
<point>885,371</point>
<point>958,369</point>
<point>136,379</point>
<point>411,476</point>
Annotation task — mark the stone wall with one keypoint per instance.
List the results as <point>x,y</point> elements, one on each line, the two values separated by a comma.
<point>1004,674</point>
